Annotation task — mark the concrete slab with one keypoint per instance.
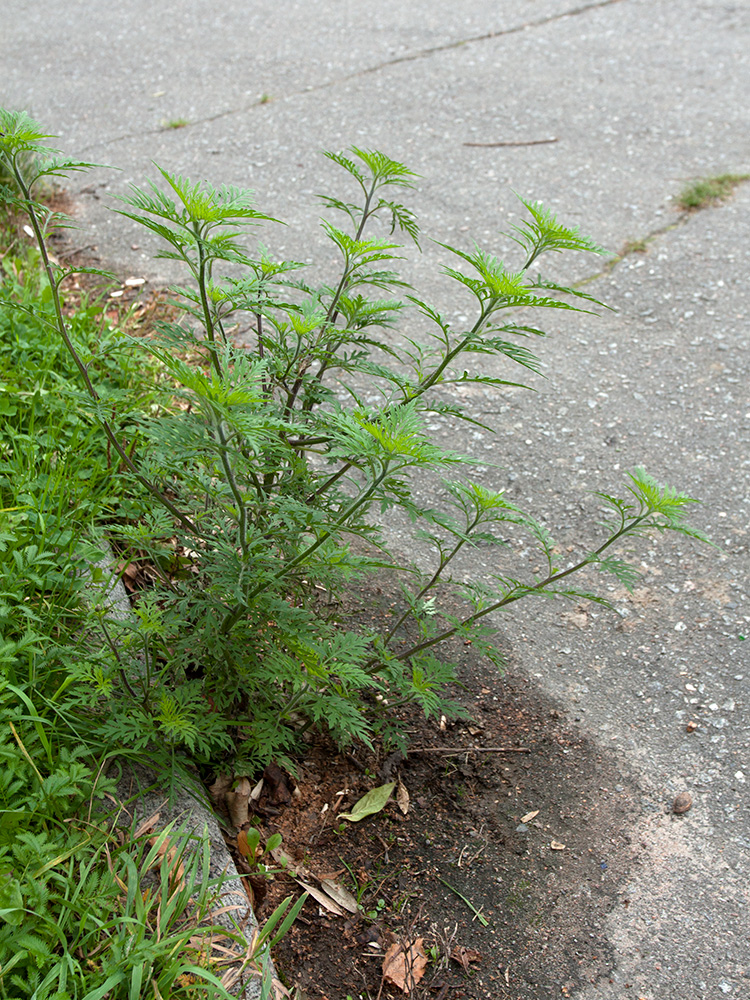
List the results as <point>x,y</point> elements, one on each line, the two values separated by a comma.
<point>640,96</point>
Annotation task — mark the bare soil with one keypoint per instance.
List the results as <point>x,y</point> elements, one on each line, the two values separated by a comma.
<point>536,894</point>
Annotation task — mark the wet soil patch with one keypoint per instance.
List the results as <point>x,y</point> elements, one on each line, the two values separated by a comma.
<point>513,851</point>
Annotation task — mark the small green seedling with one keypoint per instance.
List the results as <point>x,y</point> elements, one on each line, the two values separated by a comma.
<point>376,911</point>
<point>249,846</point>
<point>175,123</point>
<point>634,246</point>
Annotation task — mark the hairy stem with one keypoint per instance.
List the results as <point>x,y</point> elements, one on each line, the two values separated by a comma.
<point>234,616</point>
<point>184,520</point>
<point>444,560</point>
<point>515,595</point>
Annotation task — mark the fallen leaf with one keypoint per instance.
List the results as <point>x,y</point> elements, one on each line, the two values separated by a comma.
<point>404,965</point>
<point>323,898</point>
<point>529,816</point>
<point>577,618</point>
<point>146,825</point>
<point>341,895</point>
<point>464,956</point>
<point>402,797</point>
<point>557,846</point>
<point>368,805</point>
<point>255,794</point>
<point>278,789</point>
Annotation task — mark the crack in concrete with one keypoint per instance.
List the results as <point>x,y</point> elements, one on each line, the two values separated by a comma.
<point>633,247</point>
<point>410,57</point>
<point>640,245</point>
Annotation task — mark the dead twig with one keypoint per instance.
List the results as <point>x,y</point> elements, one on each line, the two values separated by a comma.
<point>520,142</point>
<point>458,750</point>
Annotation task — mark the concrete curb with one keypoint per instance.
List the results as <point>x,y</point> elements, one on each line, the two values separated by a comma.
<point>141,795</point>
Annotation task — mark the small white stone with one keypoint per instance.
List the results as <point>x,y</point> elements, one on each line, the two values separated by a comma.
<point>739,776</point>
<point>680,627</point>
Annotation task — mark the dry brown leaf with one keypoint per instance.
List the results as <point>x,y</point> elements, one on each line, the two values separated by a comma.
<point>220,787</point>
<point>242,845</point>
<point>464,956</point>
<point>323,898</point>
<point>341,895</point>
<point>577,618</point>
<point>166,853</point>
<point>402,797</point>
<point>529,816</point>
<point>404,966</point>
<point>238,802</point>
<point>146,825</point>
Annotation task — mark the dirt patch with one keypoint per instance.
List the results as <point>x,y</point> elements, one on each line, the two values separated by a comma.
<point>504,868</point>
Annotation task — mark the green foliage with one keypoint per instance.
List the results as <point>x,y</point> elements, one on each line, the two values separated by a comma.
<point>708,190</point>
<point>79,913</point>
<point>265,477</point>
<point>252,480</point>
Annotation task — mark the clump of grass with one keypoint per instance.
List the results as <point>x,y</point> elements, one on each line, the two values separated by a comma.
<point>176,123</point>
<point>707,191</point>
<point>634,246</point>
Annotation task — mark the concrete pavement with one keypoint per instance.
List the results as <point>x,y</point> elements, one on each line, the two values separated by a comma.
<point>640,96</point>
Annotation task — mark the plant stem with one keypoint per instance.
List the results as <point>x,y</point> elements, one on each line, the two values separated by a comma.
<point>434,579</point>
<point>63,331</point>
<point>207,318</point>
<point>236,492</point>
<point>515,595</point>
<point>234,616</point>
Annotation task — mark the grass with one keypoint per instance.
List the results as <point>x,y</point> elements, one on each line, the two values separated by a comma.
<point>635,246</point>
<point>175,123</point>
<point>85,910</point>
<point>705,191</point>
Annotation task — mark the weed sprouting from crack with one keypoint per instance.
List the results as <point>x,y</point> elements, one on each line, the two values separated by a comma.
<point>706,191</point>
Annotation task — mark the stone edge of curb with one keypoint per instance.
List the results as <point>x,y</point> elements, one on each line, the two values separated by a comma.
<point>136,786</point>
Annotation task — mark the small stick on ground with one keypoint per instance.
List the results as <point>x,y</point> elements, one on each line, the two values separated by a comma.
<point>457,750</point>
<point>520,142</point>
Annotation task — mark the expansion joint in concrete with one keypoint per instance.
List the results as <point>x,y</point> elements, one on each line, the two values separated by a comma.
<point>425,53</point>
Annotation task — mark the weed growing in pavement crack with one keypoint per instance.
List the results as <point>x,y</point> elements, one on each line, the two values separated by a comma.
<point>708,190</point>
<point>264,480</point>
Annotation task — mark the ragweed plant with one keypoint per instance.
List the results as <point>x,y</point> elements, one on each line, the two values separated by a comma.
<point>276,458</point>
